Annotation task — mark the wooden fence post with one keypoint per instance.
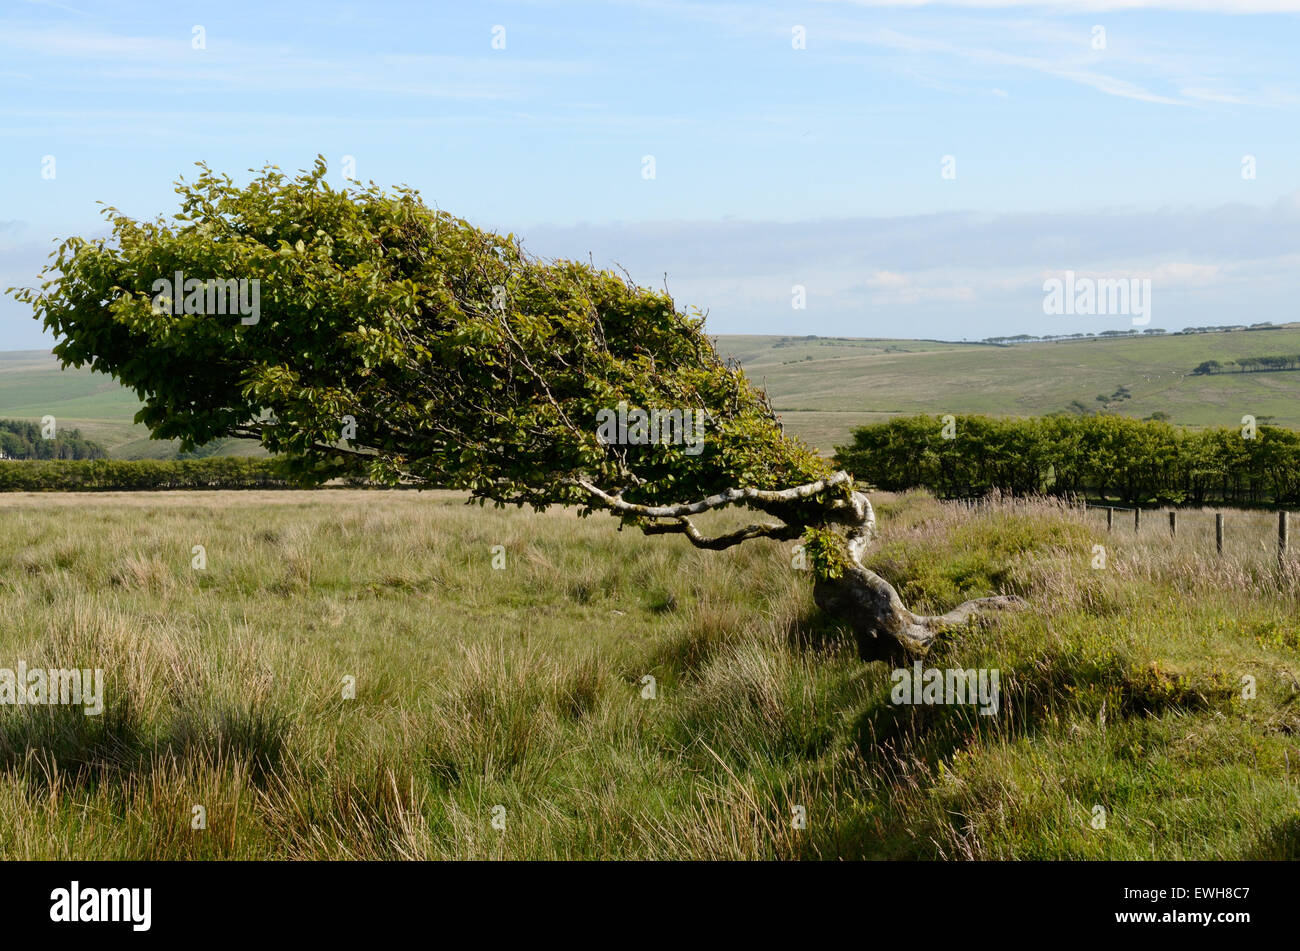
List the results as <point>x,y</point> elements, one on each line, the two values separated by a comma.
<point>1218,532</point>
<point>1173,522</point>
<point>1110,518</point>
<point>1137,519</point>
<point>1281,539</point>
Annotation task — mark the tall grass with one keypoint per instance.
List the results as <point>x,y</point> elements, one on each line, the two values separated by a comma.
<point>517,694</point>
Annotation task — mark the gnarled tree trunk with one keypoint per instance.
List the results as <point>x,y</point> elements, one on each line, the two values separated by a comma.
<point>884,628</point>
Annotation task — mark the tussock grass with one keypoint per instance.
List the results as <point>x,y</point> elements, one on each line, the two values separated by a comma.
<point>519,692</point>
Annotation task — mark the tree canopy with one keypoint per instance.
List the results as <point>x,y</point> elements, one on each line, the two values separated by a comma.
<point>396,341</point>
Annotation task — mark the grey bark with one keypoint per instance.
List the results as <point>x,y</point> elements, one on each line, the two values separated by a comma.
<point>883,627</point>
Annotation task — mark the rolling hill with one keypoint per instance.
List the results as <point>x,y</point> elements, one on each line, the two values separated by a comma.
<point>32,386</point>
<point>825,386</point>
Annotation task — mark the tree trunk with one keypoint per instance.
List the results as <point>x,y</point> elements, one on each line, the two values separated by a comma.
<point>884,628</point>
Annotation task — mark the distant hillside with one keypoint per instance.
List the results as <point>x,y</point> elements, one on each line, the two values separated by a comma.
<point>825,386</point>
<point>32,386</point>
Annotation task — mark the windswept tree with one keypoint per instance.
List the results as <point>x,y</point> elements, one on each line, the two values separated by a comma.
<point>394,341</point>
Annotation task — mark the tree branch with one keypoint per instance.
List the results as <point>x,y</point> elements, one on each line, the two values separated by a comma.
<point>724,498</point>
<point>684,526</point>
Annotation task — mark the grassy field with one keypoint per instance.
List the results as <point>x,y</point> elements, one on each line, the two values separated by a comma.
<point>521,687</point>
<point>824,387</point>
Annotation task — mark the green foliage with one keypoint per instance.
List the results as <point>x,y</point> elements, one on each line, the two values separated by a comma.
<point>22,439</point>
<point>463,361</point>
<point>141,474</point>
<point>1138,461</point>
<point>825,552</point>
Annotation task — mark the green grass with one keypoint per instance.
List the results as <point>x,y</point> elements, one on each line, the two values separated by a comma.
<point>522,688</point>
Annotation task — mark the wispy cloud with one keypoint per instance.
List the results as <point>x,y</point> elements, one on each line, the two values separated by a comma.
<point>148,60</point>
<point>1060,67</point>
<point>57,6</point>
<point>1027,36</point>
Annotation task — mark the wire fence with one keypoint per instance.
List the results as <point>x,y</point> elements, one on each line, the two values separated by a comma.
<point>1252,524</point>
<point>1217,529</point>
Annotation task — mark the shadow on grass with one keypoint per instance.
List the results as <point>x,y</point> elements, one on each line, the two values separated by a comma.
<point>42,742</point>
<point>1057,686</point>
<point>253,735</point>
<point>45,742</point>
<point>813,631</point>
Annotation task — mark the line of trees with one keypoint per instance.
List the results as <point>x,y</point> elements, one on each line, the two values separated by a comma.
<point>1105,457</point>
<point>1249,365</point>
<point>140,474</point>
<point>1149,332</point>
<point>1033,338</point>
<point>22,439</point>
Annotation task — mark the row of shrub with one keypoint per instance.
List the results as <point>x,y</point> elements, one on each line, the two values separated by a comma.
<point>1105,457</point>
<point>136,474</point>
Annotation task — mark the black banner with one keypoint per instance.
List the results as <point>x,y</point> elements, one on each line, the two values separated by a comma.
<point>140,901</point>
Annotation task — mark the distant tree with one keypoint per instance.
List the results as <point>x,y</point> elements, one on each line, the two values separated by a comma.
<point>23,439</point>
<point>1101,455</point>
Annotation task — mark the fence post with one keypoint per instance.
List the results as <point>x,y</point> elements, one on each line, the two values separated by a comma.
<point>1110,518</point>
<point>1281,539</point>
<point>1173,522</point>
<point>1218,532</point>
<point>1137,518</point>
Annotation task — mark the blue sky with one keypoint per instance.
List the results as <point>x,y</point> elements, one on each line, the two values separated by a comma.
<point>774,166</point>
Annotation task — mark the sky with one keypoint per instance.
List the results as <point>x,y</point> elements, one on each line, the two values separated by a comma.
<point>895,168</point>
